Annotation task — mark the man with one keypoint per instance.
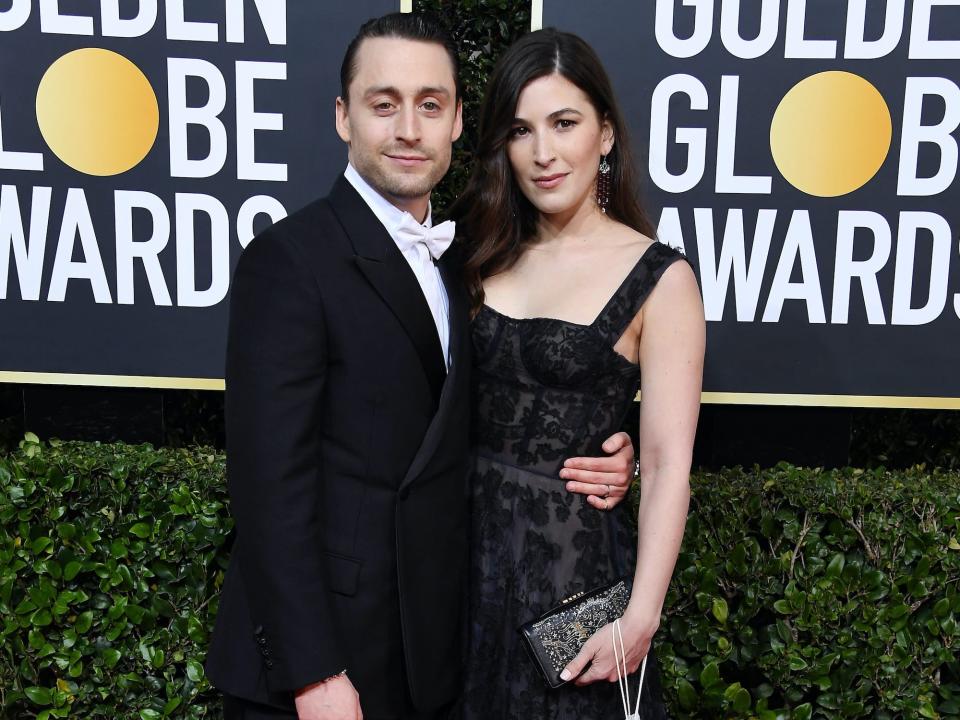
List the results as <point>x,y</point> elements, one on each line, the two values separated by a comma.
<point>347,418</point>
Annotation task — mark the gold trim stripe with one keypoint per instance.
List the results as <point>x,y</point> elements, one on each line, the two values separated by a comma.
<point>851,401</point>
<point>536,15</point>
<point>131,381</point>
<point>406,5</point>
<point>860,401</point>
<point>708,398</point>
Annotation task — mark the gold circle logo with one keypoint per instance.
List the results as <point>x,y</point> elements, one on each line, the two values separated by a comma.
<point>97,111</point>
<point>831,133</point>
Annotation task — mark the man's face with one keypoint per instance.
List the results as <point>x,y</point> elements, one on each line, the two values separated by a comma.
<point>401,117</point>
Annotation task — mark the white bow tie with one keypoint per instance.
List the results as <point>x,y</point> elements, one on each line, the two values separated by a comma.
<point>436,238</point>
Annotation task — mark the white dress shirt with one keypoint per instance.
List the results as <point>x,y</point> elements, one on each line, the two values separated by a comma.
<point>417,256</point>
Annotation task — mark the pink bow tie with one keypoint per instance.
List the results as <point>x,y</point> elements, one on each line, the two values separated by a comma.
<point>436,238</point>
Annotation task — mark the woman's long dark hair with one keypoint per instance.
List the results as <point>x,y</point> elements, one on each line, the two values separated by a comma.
<point>492,214</point>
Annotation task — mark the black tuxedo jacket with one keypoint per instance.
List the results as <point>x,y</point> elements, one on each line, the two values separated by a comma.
<point>347,445</point>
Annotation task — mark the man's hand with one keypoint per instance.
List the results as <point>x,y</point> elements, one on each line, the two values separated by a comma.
<point>334,699</point>
<point>604,480</point>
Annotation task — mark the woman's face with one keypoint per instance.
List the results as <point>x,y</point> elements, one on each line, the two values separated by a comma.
<point>556,144</point>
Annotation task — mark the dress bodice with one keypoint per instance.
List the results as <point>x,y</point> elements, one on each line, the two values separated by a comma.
<point>548,389</point>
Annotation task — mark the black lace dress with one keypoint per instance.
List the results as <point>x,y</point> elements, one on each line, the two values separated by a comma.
<point>546,390</point>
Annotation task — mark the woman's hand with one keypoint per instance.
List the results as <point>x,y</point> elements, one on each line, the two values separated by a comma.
<point>596,662</point>
<point>604,480</point>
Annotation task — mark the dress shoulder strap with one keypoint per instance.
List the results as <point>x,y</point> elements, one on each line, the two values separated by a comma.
<point>626,302</point>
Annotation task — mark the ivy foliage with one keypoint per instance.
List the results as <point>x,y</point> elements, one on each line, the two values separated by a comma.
<point>482,29</point>
<point>797,594</point>
<point>110,562</point>
<point>808,594</point>
<point>899,438</point>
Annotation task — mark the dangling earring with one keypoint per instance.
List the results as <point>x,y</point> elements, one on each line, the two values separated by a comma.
<point>603,184</point>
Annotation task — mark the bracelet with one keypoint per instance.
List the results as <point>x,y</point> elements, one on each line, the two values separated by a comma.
<point>342,673</point>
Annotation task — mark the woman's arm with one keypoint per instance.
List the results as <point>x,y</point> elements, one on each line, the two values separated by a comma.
<point>671,350</point>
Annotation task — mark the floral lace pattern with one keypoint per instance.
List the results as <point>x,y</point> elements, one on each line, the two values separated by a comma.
<point>546,390</point>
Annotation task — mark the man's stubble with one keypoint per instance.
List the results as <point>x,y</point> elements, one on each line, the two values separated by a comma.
<point>398,184</point>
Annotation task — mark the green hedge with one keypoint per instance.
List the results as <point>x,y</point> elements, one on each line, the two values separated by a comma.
<point>110,561</point>
<point>834,594</point>
<point>798,593</point>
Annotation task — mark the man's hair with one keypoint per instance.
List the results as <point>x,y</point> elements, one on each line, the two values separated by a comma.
<point>405,26</point>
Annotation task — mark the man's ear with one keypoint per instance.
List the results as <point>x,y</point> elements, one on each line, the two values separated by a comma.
<point>457,122</point>
<point>343,120</point>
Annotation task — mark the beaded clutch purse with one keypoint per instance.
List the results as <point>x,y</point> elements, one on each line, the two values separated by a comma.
<point>555,638</point>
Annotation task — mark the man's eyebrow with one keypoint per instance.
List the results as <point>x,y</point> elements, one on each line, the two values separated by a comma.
<point>434,90</point>
<point>395,92</point>
<point>382,90</point>
<point>552,116</point>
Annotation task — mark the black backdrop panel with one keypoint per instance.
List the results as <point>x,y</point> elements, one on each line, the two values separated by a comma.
<point>274,65</point>
<point>695,95</point>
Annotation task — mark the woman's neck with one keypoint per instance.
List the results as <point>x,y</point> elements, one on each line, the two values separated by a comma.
<point>573,226</point>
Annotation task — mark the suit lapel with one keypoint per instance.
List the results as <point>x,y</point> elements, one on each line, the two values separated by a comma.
<point>385,268</point>
<point>459,369</point>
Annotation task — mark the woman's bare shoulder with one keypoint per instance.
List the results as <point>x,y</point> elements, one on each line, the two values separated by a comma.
<point>623,248</point>
<point>678,288</point>
<point>628,241</point>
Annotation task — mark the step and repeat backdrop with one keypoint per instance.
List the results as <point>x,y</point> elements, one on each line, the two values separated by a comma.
<point>142,145</point>
<point>803,153</point>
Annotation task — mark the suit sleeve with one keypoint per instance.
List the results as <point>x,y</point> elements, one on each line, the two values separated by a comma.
<point>275,374</point>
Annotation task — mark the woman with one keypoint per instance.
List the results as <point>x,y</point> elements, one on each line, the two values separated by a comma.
<point>573,305</point>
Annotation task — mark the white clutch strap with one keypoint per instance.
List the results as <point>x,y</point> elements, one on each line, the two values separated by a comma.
<point>620,658</point>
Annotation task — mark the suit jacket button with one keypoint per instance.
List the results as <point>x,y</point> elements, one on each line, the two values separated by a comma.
<point>258,630</point>
<point>269,664</point>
